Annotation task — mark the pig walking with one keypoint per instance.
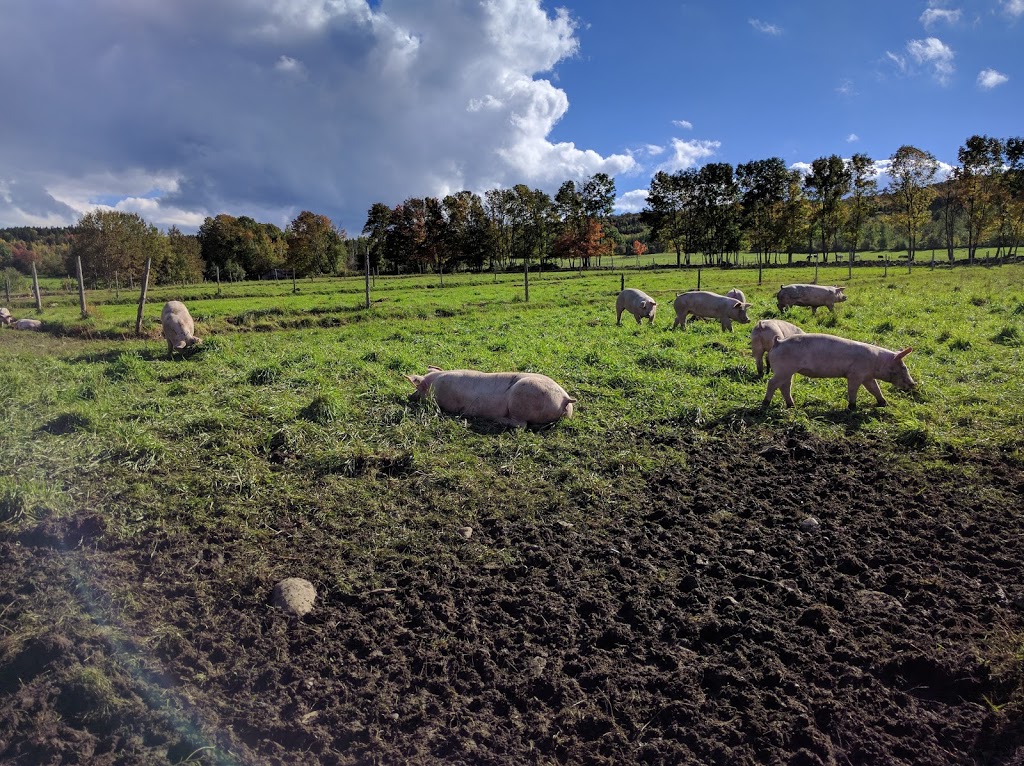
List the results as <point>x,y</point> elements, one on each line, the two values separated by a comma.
<point>636,302</point>
<point>812,296</point>
<point>511,398</point>
<point>702,303</point>
<point>828,356</point>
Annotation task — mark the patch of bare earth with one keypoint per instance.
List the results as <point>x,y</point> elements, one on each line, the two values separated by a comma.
<point>708,621</point>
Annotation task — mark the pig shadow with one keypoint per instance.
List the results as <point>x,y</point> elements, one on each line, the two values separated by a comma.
<point>852,421</point>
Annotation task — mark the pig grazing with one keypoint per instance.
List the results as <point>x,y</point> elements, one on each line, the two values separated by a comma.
<point>809,295</point>
<point>5,316</point>
<point>27,324</point>
<point>179,329</point>
<point>511,398</point>
<point>711,305</point>
<point>737,294</point>
<point>636,302</point>
<point>763,336</point>
<point>828,356</point>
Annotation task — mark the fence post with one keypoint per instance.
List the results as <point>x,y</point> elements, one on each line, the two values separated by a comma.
<point>622,282</point>
<point>117,287</point>
<point>295,287</point>
<point>526,279</point>
<point>698,277</point>
<point>367,257</point>
<point>81,287</point>
<point>142,295</point>
<point>35,289</point>
<point>7,289</point>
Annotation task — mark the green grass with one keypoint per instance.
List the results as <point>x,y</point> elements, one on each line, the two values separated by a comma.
<point>298,398</point>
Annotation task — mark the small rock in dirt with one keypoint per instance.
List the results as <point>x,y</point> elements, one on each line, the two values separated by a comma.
<point>810,524</point>
<point>295,596</point>
<point>466,532</point>
<point>564,524</point>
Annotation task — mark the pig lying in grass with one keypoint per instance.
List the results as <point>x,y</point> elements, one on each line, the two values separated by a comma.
<point>514,399</point>
<point>763,336</point>
<point>27,324</point>
<point>636,302</point>
<point>809,295</point>
<point>828,356</point>
<point>178,327</point>
<point>701,303</point>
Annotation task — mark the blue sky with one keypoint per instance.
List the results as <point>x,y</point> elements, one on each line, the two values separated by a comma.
<point>266,108</point>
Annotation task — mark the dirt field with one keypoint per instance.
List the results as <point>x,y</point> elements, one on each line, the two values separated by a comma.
<point>708,621</point>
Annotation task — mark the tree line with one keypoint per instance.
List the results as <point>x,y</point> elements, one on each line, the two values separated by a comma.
<point>710,213</point>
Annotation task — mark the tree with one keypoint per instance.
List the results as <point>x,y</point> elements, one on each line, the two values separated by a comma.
<point>183,262</point>
<point>826,184</point>
<point>376,229</point>
<point>315,246</point>
<point>912,172</point>
<point>669,210</point>
<point>717,211</point>
<point>110,242</point>
<point>639,248</point>
<point>241,247</point>
<point>763,185</point>
<point>578,210</point>
<point>1010,212</point>
<point>795,222</point>
<point>861,203</point>
<point>981,160</point>
<point>949,214</point>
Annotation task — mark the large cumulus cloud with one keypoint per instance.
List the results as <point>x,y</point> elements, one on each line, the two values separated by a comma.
<point>267,107</point>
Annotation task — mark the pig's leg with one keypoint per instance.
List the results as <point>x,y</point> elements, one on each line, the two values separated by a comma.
<point>851,393</point>
<point>872,385</point>
<point>787,391</point>
<point>773,384</point>
<point>618,319</point>
<point>639,319</point>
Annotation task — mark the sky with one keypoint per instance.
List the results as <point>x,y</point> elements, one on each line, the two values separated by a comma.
<point>179,110</point>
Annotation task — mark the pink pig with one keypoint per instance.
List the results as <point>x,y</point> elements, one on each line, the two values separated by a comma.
<point>828,356</point>
<point>511,398</point>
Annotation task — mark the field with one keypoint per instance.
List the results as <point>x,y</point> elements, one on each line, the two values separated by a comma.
<point>673,576</point>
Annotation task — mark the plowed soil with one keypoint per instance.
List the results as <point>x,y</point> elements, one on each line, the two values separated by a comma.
<point>709,620</point>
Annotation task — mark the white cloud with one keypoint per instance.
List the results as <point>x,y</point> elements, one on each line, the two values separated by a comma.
<point>687,154</point>
<point>685,124</point>
<point>990,78</point>
<point>933,16</point>
<point>270,108</point>
<point>933,52</point>
<point>764,27</point>
<point>653,150</point>
<point>1014,7</point>
<point>846,88</point>
<point>632,201</point>
<point>852,138</point>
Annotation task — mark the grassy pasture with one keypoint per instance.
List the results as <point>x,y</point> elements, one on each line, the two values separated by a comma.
<point>325,375</point>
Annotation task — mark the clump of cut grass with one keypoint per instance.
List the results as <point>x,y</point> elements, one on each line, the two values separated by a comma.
<point>1007,336</point>
<point>960,344</point>
<point>324,409</point>
<point>265,376</point>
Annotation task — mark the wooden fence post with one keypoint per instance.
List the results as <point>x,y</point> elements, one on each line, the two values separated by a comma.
<point>367,262</point>
<point>81,287</point>
<point>526,279</point>
<point>622,282</point>
<point>142,296</point>
<point>35,289</point>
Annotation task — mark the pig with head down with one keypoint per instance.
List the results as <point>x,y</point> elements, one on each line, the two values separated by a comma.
<point>514,399</point>
<point>763,336</point>
<point>178,327</point>
<point>817,355</point>
<point>5,316</point>
<point>636,302</point>
<point>702,303</point>
<point>811,296</point>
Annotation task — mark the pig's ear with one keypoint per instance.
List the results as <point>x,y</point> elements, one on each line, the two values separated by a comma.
<point>434,368</point>
<point>643,305</point>
<point>903,353</point>
<point>654,303</point>
<point>746,305</point>
<point>415,380</point>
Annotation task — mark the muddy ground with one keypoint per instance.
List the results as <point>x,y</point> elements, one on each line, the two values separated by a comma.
<point>708,622</point>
